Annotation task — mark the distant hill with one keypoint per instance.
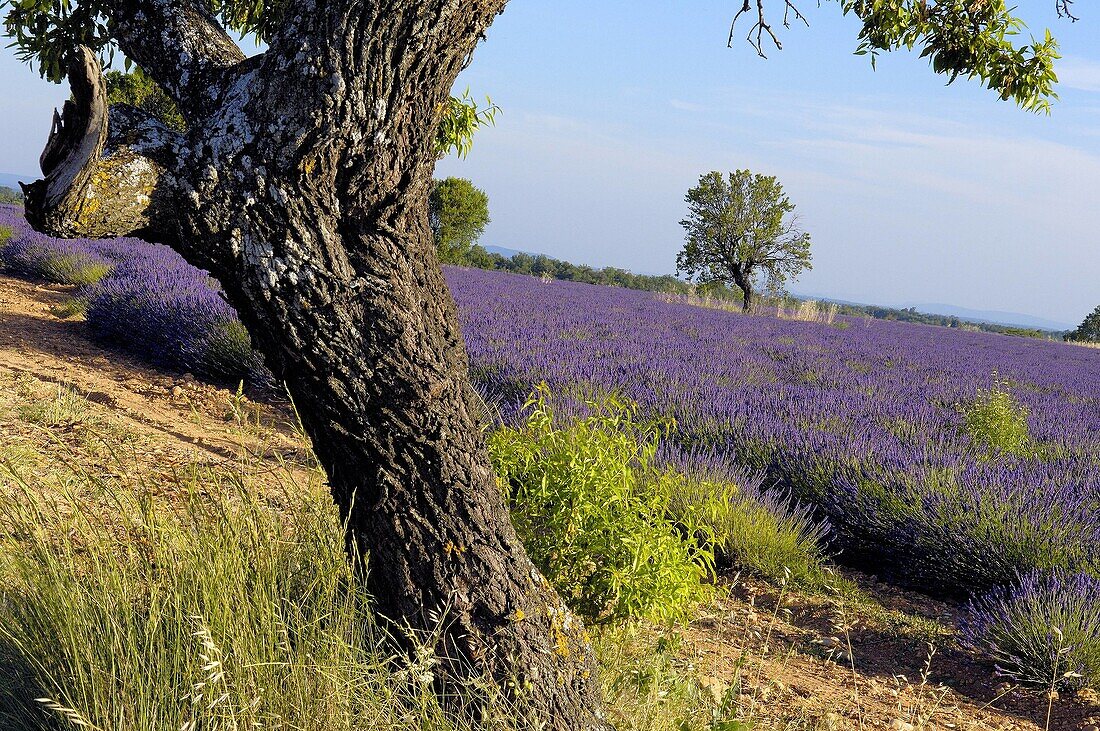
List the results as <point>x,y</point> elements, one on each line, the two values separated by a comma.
<point>995,317</point>
<point>12,181</point>
<point>985,317</point>
<point>508,253</point>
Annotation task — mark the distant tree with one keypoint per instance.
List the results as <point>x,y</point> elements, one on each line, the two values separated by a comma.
<point>742,230</point>
<point>139,90</point>
<point>1089,330</point>
<point>10,197</point>
<point>458,213</point>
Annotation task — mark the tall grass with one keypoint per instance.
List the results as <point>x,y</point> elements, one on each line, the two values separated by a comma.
<point>696,299</point>
<point>1083,344</point>
<point>809,311</point>
<point>767,534</point>
<point>222,611</point>
<point>207,600</point>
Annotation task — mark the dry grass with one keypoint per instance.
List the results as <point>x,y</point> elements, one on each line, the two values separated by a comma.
<point>700,300</point>
<point>809,311</point>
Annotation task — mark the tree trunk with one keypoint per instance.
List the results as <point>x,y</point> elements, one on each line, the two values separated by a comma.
<point>302,185</point>
<point>744,283</point>
<point>378,371</point>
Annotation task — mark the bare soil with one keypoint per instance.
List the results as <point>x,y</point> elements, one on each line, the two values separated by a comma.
<point>179,414</point>
<point>780,659</point>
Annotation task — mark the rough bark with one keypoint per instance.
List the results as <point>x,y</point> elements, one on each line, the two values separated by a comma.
<point>301,184</point>
<point>91,188</point>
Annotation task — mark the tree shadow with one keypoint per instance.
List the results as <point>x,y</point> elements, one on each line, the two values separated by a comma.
<point>19,690</point>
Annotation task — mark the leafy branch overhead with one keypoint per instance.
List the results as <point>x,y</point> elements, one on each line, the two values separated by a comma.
<point>959,37</point>
<point>44,33</point>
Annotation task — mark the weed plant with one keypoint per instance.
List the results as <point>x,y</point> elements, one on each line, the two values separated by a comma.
<point>996,422</point>
<point>593,509</point>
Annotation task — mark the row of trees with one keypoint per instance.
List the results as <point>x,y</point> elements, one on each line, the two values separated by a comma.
<point>741,232</point>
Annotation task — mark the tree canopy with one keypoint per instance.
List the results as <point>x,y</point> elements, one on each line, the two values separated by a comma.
<point>742,230</point>
<point>458,213</point>
<point>1089,329</point>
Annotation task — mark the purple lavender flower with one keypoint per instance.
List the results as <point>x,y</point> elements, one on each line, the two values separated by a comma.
<point>862,424</point>
<point>143,298</point>
<point>1043,629</point>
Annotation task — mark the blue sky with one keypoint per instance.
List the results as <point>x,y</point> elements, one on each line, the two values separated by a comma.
<point>913,191</point>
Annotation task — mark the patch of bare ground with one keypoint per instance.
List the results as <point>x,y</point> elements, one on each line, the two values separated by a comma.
<point>44,357</point>
<point>877,658</point>
<point>762,657</point>
<point>83,423</point>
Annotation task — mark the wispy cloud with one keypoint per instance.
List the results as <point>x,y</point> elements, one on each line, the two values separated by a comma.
<point>1079,73</point>
<point>686,106</point>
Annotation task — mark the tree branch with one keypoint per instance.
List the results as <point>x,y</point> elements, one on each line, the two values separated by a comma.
<point>90,189</point>
<point>761,26</point>
<point>181,45</point>
<point>1065,10</point>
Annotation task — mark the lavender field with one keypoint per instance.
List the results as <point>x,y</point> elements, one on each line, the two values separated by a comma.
<point>141,297</point>
<point>861,420</point>
<point>864,421</point>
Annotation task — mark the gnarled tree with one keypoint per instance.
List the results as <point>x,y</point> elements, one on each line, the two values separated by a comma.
<point>741,231</point>
<point>301,183</point>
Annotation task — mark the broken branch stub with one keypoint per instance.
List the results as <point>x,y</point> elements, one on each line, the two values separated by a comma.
<point>84,192</point>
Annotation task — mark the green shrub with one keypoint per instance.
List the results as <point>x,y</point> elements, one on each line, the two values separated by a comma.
<point>766,534</point>
<point>593,512</point>
<point>6,233</point>
<point>996,422</point>
<point>71,307</point>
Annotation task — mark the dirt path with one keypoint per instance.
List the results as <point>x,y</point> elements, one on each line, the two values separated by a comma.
<point>173,408</point>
